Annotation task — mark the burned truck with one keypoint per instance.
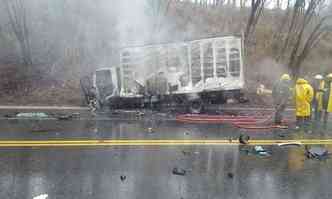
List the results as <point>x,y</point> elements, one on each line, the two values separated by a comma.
<point>193,73</point>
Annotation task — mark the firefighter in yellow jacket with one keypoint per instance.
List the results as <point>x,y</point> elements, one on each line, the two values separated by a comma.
<point>327,97</point>
<point>303,97</point>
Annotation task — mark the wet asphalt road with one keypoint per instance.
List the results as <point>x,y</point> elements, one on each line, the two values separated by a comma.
<point>211,171</point>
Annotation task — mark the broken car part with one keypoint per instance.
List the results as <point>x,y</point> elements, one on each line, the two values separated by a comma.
<point>318,153</point>
<point>244,139</point>
<point>123,178</point>
<point>178,171</point>
<point>290,144</point>
<point>259,150</point>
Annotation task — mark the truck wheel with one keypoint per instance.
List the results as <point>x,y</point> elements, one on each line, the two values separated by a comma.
<point>241,98</point>
<point>196,106</point>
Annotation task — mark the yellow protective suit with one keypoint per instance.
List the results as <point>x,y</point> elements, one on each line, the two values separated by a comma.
<point>319,95</point>
<point>329,106</point>
<point>303,97</point>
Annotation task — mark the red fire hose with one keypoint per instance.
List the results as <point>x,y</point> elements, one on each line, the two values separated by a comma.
<point>257,127</point>
<point>244,122</point>
<point>217,118</point>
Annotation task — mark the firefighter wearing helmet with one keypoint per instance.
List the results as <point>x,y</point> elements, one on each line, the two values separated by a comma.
<point>281,93</point>
<point>304,94</point>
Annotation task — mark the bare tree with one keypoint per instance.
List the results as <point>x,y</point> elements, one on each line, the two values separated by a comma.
<point>257,8</point>
<point>243,3</point>
<point>217,3</point>
<point>278,34</point>
<point>16,11</point>
<point>279,4</point>
<point>157,10</point>
<point>303,29</point>
<point>298,55</point>
<point>299,7</point>
<point>232,2</point>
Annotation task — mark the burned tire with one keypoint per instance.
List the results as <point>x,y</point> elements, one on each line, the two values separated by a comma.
<point>196,106</point>
<point>241,98</point>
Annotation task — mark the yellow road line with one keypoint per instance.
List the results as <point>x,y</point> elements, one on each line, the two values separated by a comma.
<point>110,143</point>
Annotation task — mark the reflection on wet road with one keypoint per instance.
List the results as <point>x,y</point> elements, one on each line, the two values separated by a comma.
<point>145,128</point>
<point>65,173</point>
<point>211,171</point>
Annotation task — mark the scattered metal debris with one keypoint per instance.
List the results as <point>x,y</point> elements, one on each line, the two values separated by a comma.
<point>43,196</point>
<point>65,117</point>
<point>318,153</point>
<point>150,130</point>
<point>123,178</point>
<point>230,175</point>
<point>140,114</point>
<point>186,153</point>
<point>259,150</point>
<point>8,116</point>
<point>298,144</point>
<point>244,139</point>
<point>179,171</point>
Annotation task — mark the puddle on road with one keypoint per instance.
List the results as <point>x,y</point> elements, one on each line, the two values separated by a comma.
<point>146,128</point>
<point>215,171</point>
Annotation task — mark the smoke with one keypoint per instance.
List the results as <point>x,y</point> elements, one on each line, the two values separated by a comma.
<point>267,71</point>
<point>132,23</point>
<point>141,22</point>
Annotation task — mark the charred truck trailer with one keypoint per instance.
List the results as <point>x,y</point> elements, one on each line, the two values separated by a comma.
<point>194,73</point>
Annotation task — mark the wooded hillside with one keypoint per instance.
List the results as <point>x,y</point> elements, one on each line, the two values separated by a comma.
<point>47,45</point>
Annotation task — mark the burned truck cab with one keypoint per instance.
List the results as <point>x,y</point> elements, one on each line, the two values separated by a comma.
<point>106,83</point>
